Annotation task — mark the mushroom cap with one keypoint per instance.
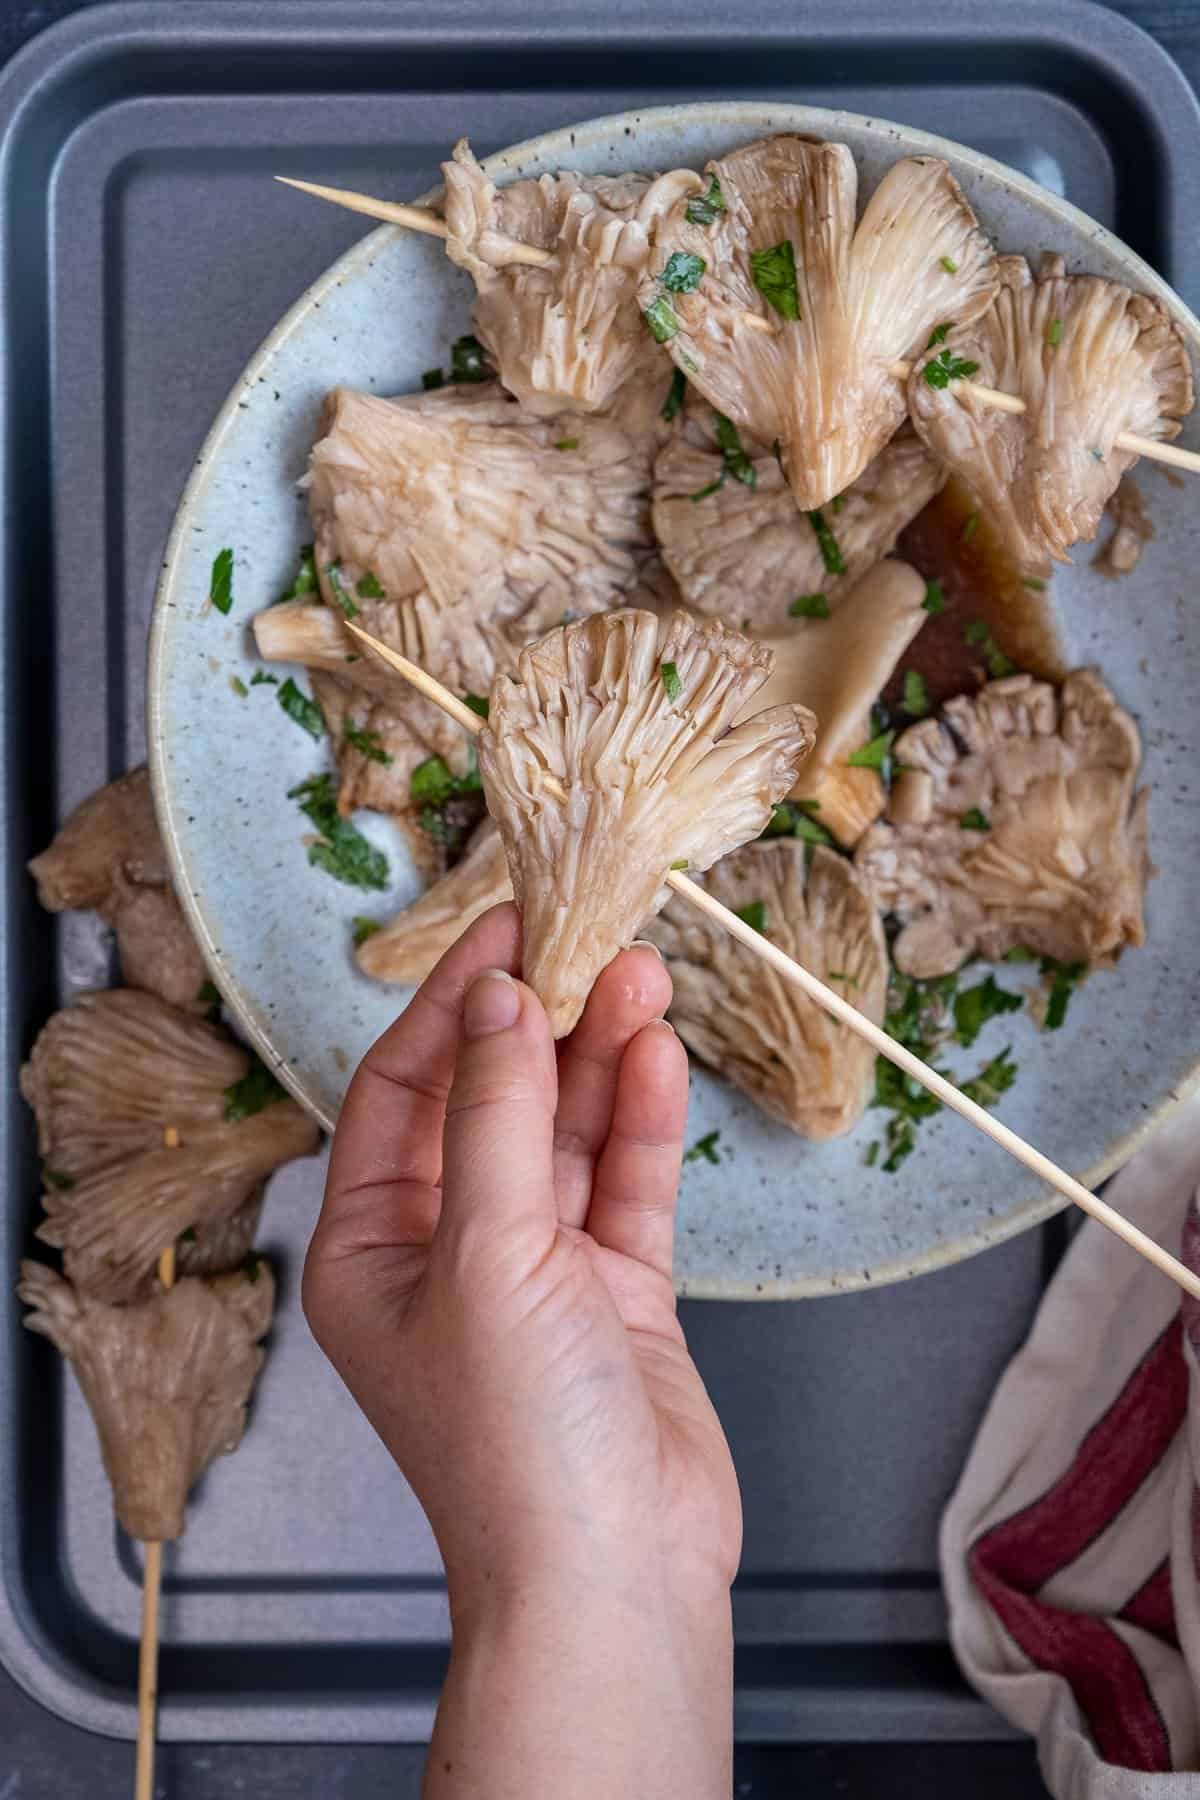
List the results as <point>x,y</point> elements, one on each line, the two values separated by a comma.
<point>408,946</point>
<point>567,332</point>
<point>1061,869</point>
<point>1090,359</point>
<point>821,384</point>
<point>747,553</point>
<point>737,1014</point>
<point>167,1380</point>
<point>649,780</point>
<point>130,1096</point>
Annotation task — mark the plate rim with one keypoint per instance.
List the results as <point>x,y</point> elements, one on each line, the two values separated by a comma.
<point>552,148</point>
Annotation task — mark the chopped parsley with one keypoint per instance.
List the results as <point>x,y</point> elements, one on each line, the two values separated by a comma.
<point>712,488</point>
<point>871,1154</point>
<point>995,1078</point>
<point>431,379</point>
<point>935,600</point>
<point>975,632</point>
<point>970,527</point>
<point>188,1236</point>
<point>754,915</point>
<point>567,444</point>
<point>916,694</point>
<point>1019,954</point>
<point>908,1103</point>
<point>843,977</point>
<point>917,1019</point>
<point>260,678</point>
<point>939,334</point>
<point>207,995</point>
<point>736,462</point>
<point>837,503</point>
<point>703,208</point>
<point>477,704</point>
<point>831,556</point>
<point>433,782</point>
<point>342,850</point>
<point>809,606</point>
<point>660,320</point>
<point>56,1179</point>
<point>239,687</point>
<point>677,866</point>
<point>334,576</point>
<point>682,272</point>
<point>791,818</point>
<point>675,395</point>
<point>1065,979</point>
<point>874,754</point>
<point>774,274</point>
<point>257,1088</point>
<point>671,681</point>
<point>974,1006</point>
<point>364,929</point>
<point>974,820</point>
<point>367,744</point>
<point>220,585</point>
<point>1035,582</point>
<point>302,708</point>
<point>945,367</point>
<point>1054,335</point>
<point>306,578</point>
<point>998,664</point>
<point>369,587</point>
<point>948,263</point>
<point>468,360</point>
<point>705,1147</point>
<point>250,1267</point>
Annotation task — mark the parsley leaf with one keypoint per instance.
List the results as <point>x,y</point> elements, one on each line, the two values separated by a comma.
<point>974,820</point>
<point>1019,954</point>
<point>871,1154</point>
<point>703,208</point>
<point>567,444</point>
<point>334,576</point>
<point>945,367</point>
<point>995,1078</point>
<point>916,695</point>
<point>713,487</point>
<point>671,681</point>
<point>973,1007</point>
<point>1054,335</point>
<point>477,704</point>
<point>948,263</point>
<point>831,556</point>
<point>874,754</point>
<point>1066,978</point>
<point>260,678</point>
<point>431,379</point>
<point>1034,582</point>
<point>306,578</point>
<point>705,1147</point>
<point>789,819</point>
<point>970,527</point>
<point>809,606</point>
<point>774,273</point>
<point>207,994</point>
<point>999,665</point>
<point>433,782</point>
<point>939,334</point>
<point>468,360</point>
<point>754,915</point>
<point>342,851</point>
<point>364,929</point>
<point>301,708</point>
<point>257,1088</point>
<point>369,587</point>
<point>737,463</point>
<point>56,1179</point>
<point>367,744</point>
<point>661,320</point>
<point>975,632</point>
<point>239,687</point>
<point>675,394</point>
<point>220,586</point>
<point>935,600</point>
<point>682,272</point>
<point>188,1236</point>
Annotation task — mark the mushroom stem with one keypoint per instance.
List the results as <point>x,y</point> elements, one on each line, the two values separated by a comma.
<point>148,1649</point>
<point>849,1015</point>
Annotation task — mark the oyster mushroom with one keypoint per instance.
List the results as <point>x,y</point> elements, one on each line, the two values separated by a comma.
<point>567,332</point>
<point>633,718</point>
<point>790,321</point>
<point>408,946</point>
<point>108,859</point>
<point>735,1013</point>
<point>745,553</point>
<point>1091,359</point>
<point>166,1380</point>
<point>213,1245</point>
<point>137,1108</point>
<point>1014,822</point>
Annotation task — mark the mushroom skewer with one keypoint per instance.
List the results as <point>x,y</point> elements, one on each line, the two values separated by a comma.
<point>148,1648</point>
<point>423,219</point>
<point>845,1013</point>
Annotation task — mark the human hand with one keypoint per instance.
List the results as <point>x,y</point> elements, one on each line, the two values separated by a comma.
<point>491,1276</point>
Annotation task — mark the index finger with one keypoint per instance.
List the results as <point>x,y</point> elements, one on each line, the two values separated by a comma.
<point>390,1129</point>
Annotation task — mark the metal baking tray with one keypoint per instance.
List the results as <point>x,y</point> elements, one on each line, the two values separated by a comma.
<point>145,254</point>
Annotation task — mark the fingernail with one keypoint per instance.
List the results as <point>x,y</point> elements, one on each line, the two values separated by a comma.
<point>645,944</point>
<point>661,1024</point>
<point>492,1003</point>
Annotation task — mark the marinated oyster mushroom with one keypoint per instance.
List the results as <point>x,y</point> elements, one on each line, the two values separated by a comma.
<point>838,667</point>
<point>1014,822</point>
<point>166,1380</point>
<point>631,719</point>
<point>408,946</point>
<point>567,332</point>
<point>735,1013</point>
<point>1091,359</point>
<point>108,859</point>
<point>790,321</point>
<point>139,1110</point>
<point>744,552</point>
<point>213,1245</point>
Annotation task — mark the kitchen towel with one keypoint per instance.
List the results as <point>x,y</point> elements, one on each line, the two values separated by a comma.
<point>1069,1550</point>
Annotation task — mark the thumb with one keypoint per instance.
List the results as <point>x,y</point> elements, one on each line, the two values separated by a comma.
<point>498,1155</point>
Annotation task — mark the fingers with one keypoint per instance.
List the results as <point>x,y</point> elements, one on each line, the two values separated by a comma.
<point>390,1130</point>
<point>637,1176</point>
<point>498,1167</point>
<point>632,990</point>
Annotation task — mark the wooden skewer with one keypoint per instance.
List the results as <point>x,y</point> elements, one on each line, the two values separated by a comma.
<point>419,218</point>
<point>148,1652</point>
<point>843,1011</point>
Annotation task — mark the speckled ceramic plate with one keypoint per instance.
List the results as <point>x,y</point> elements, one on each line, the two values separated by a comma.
<point>774,1215</point>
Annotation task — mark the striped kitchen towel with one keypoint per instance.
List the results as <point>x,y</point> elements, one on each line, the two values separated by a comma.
<point>1070,1549</point>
